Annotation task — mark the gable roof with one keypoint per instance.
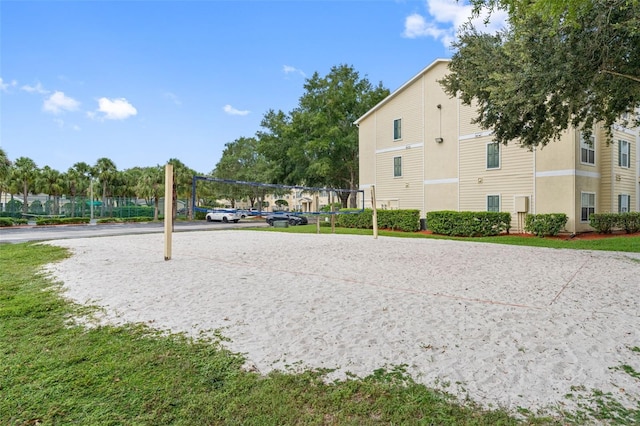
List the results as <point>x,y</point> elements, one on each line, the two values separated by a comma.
<point>401,88</point>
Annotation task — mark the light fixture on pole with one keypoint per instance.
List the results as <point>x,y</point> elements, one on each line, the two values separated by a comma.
<point>439,139</point>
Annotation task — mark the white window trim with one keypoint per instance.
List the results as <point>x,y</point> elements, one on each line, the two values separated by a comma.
<point>584,145</point>
<point>628,203</point>
<point>499,201</point>
<point>393,129</point>
<point>394,167</point>
<point>486,156</point>
<point>582,206</point>
<point>628,145</point>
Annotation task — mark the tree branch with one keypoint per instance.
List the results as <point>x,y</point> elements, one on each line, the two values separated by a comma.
<point>630,77</point>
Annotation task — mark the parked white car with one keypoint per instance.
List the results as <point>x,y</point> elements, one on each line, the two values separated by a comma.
<point>224,216</point>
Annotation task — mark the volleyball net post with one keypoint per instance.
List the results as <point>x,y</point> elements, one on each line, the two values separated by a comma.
<point>168,210</point>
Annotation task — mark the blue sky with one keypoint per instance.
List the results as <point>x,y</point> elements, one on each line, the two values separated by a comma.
<point>141,82</point>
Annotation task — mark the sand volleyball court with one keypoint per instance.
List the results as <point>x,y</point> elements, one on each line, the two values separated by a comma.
<point>503,325</point>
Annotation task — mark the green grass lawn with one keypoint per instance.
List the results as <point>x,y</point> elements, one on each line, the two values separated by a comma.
<point>613,243</point>
<point>54,371</point>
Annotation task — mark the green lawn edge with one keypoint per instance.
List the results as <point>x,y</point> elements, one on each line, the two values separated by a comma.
<point>615,243</point>
<point>55,371</point>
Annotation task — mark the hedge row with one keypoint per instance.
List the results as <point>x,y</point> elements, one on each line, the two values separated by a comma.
<point>468,224</point>
<point>605,223</point>
<point>8,221</point>
<point>400,220</point>
<point>62,220</point>
<point>5,221</point>
<point>545,224</point>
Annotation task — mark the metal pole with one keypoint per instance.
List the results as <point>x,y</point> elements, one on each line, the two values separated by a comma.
<point>91,196</point>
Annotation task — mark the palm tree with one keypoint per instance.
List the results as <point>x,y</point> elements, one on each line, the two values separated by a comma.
<point>183,183</point>
<point>50,182</point>
<point>5,169</point>
<point>23,175</point>
<point>151,186</point>
<point>78,180</point>
<point>105,170</point>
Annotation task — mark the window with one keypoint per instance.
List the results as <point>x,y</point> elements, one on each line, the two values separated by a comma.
<point>493,203</point>
<point>587,150</point>
<point>397,166</point>
<point>493,155</point>
<point>588,205</point>
<point>624,203</point>
<point>397,129</point>
<point>623,153</point>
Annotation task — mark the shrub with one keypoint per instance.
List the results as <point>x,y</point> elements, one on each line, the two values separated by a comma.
<point>630,222</point>
<point>6,221</point>
<point>545,224</point>
<point>603,222</point>
<point>401,220</point>
<point>15,215</point>
<point>363,220</point>
<point>62,220</point>
<point>14,206</point>
<point>110,220</point>
<point>36,207</point>
<point>468,224</point>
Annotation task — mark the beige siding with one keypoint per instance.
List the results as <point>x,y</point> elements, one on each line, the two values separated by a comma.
<point>625,179</point>
<point>407,189</point>
<point>441,197</point>
<point>467,114</point>
<point>558,155</point>
<point>513,178</point>
<point>555,194</point>
<point>406,106</point>
<point>366,146</point>
<point>452,174</point>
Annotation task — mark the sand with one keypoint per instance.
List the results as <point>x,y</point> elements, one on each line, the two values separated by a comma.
<point>505,326</point>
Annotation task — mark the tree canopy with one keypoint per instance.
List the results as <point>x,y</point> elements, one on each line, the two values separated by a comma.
<point>559,64</point>
<point>316,144</point>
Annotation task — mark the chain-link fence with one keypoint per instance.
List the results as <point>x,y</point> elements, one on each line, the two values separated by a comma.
<point>116,207</point>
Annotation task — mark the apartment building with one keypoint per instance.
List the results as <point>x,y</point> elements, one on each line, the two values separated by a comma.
<point>420,149</point>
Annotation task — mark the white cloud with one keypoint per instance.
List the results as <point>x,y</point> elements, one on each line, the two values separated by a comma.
<point>35,89</point>
<point>173,98</point>
<point>445,17</point>
<point>62,125</point>
<point>5,86</point>
<point>287,69</point>
<point>114,109</point>
<point>58,102</point>
<point>232,111</point>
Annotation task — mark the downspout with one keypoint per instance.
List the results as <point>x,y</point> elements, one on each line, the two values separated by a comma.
<point>424,154</point>
<point>458,148</point>
<point>613,174</point>
<point>535,181</point>
<point>637,169</point>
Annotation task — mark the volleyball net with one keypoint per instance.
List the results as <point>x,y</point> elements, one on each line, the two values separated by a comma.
<point>214,193</point>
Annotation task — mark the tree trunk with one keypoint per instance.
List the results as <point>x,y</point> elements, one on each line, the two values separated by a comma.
<point>156,203</point>
<point>353,196</point>
<point>25,193</point>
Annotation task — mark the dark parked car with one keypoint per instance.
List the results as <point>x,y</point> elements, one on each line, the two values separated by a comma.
<point>292,219</point>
